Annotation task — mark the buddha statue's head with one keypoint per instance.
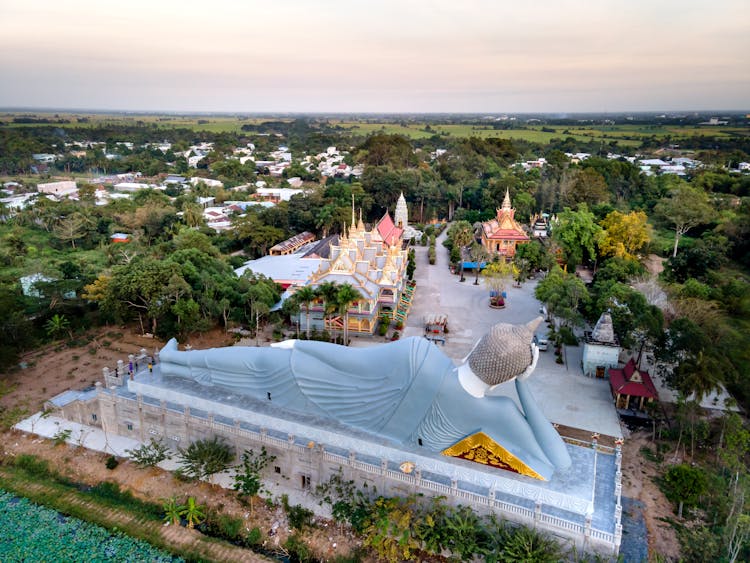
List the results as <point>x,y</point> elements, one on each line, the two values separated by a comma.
<point>503,353</point>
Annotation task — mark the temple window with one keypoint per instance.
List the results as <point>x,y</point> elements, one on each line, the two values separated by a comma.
<point>130,426</point>
<point>306,481</point>
<point>277,469</point>
<point>93,417</point>
<point>419,441</point>
<point>269,395</point>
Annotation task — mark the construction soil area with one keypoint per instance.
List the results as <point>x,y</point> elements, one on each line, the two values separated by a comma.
<point>638,483</point>
<point>58,367</point>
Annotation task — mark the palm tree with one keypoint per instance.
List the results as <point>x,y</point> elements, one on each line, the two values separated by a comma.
<point>193,512</point>
<point>462,234</point>
<point>345,297</point>
<point>172,510</point>
<point>192,214</point>
<point>56,325</point>
<point>478,255</point>
<point>699,374</point>
<point>305,296</point>
<point>329,292</point>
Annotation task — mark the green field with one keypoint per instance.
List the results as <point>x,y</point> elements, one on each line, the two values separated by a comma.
<point>214,124</point>
<point>624,134</point>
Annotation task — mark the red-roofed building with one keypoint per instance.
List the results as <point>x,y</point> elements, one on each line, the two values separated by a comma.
<point>388,231</point>
<point>502,234</point>
<point>630,382</point>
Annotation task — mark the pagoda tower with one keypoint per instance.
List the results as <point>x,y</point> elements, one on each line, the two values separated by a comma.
<point>401,216</point>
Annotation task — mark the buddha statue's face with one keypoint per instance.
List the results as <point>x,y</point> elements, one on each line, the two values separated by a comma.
<point>503,353</point>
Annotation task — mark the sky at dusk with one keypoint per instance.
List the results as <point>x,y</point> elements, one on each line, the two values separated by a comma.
<point>375,56</point>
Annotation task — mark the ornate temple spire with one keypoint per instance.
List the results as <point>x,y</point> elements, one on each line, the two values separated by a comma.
<point>354,217</point>
<point>506,200</point>
<point>401,216</point>
<point>360,225</point>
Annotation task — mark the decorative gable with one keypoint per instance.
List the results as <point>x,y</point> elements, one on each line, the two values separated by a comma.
<point>480,448</point>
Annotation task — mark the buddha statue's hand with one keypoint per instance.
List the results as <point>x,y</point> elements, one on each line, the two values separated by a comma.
<point>287,344</point>
<point>534,357</point>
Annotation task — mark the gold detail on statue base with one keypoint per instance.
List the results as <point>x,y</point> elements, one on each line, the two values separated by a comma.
<point>480,448</point>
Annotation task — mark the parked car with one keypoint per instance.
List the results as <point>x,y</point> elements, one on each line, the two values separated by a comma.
<point>542,344</point>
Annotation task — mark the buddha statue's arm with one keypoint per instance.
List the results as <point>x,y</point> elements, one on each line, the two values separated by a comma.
<point>546,435</point>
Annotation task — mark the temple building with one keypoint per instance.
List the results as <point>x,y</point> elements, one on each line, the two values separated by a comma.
<point>601,350</point>
<point>631,388</point>
<point>373,262</point>
<point>503,234</point>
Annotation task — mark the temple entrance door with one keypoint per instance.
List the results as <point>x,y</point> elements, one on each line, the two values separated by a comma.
<point>600,372</point>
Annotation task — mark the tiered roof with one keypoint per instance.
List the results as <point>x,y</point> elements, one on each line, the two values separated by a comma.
<point>632,381</point>
<point>368,260</point>
<point>504,226</point>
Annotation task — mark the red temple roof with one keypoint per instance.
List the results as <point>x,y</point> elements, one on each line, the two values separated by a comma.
<point>389,232</point>
<point>631,381</point>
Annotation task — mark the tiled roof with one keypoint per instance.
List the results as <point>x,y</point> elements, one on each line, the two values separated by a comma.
<point>620,380</point>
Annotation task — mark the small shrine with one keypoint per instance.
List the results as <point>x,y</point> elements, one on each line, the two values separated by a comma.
<point>632,388</point>
<point>503,234</point>
<point>540,225</point>
<point>601,350</point>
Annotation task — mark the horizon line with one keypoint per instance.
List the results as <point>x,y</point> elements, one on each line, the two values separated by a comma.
<point>14,109</point>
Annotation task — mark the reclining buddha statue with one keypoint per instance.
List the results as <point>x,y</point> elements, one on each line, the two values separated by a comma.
<point>407,391</point>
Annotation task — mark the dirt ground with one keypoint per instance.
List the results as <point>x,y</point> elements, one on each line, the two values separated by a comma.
<point>637,483</point>
<point>57,367</point>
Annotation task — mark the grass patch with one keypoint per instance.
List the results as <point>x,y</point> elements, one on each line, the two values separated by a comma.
<point>11,416</point>
<point>651,455</point>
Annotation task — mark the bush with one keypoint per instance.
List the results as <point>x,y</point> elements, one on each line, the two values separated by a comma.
<point>61,436</point>
<point>149,454</point>
<point>229,526</point>
<point>111,462</point>
<point>109,493</point>
<point>298,549</point>
<point>566,336</point>
<point>526,544</point>
<point>254,536</point>
<point>33,465</point>
<point>204,458</point>
<point>298,515</point>
<point>383,328</point>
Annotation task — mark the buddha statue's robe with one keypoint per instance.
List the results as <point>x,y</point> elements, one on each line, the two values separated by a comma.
<point>407,391</point>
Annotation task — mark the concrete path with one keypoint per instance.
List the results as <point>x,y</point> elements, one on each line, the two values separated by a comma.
<point>565,395</point>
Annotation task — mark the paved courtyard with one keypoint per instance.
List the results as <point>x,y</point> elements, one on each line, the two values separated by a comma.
<point>564,394</point>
